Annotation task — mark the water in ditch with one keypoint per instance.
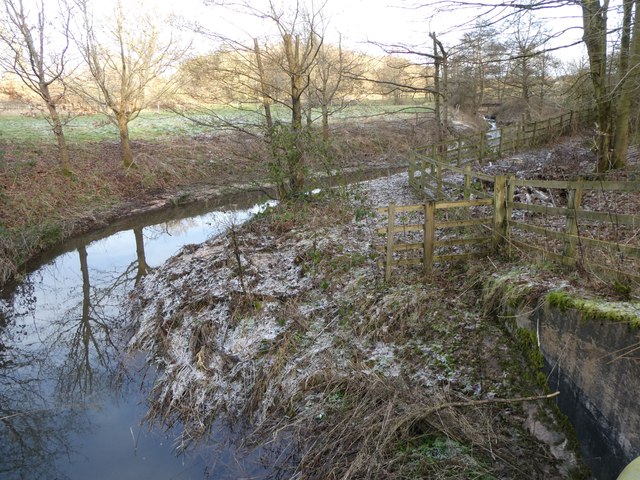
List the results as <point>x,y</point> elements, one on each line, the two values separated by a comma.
<point>71,400</point>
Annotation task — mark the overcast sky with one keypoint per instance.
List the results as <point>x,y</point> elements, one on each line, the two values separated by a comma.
<point>358,21</point>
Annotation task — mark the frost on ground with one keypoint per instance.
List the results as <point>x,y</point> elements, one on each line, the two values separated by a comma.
<point>293,338</point>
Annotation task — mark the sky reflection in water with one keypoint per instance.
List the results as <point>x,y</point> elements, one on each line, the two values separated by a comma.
<point>71,403</point>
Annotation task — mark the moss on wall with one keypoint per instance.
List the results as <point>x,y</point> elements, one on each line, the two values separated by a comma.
<point>595,309</point>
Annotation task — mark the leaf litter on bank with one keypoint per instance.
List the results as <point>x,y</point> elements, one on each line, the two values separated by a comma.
<point>340,374</point>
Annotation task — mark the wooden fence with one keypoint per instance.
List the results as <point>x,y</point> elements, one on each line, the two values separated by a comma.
<point>509,139</point>
<point>423,232</point>
<point>571,222</point>
<point>602,241</point>
<point>598,237</point>
<point>431,182</point>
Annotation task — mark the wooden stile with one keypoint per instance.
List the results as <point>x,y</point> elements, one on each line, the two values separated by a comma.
<point>428,227</point>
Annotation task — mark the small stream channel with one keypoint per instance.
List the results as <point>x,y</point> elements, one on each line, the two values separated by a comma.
<point>72,401</point>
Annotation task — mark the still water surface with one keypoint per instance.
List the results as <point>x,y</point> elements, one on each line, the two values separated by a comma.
<point>72,402</point>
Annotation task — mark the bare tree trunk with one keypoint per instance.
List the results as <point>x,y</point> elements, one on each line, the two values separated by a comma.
<point>445,88</point>
<point>266,103</point>
<point>63,151</point>
<point>325,122</point>
<point>629,64</point>
<point>296,76</point>
<point>595,38</point>
<point>31,64</point>
<point>440,90</point>
<point>125,144</point>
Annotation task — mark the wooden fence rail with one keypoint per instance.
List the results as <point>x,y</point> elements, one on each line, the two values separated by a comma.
<point>570,245</point>
<point>431,160</point>
<point>433,179</point>
<point>560,228</point>
<point>576,220</point>
<point>429,227</point>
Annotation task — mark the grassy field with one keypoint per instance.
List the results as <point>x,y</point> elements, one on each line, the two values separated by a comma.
<point>39,207</point>
<point>159,126</point>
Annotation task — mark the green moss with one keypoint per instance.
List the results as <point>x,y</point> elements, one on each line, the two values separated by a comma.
<point>598,310</point>
<point>507,291</point>
<point>528,346</point>
<point>560,300</point>
<point>623,289</point>
<point>181,199</point>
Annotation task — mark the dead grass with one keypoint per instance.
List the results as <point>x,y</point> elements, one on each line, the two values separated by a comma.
<point>40,207</point>
<point>356,379</point>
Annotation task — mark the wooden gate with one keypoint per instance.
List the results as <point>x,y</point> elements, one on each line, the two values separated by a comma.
<point>424,228</point>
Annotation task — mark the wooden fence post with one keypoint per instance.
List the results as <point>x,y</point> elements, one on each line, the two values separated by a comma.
<point>429,236</point>
<point>533,138</point>
<point>511,190</point>
<point>573,203</point>
<point>459,152</point>
<point>467,182</point>
<point>571,126</point>
<point>424,173</point>
<point>499,211</point>
<point>412,169</point>
<point>391,220</point>
<point>439,177</point>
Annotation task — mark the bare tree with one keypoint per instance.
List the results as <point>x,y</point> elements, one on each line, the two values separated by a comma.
<point>629,77</point>
<point>38,61</point>
<point>419,72</point>
<point>125,58</point>
<point>263,77</point>
<point>614,83</point>
<point>332,87</point>
<point>396,77</point>
<point>472,67</point>
<point>441,86</point>
<point>300,40</point>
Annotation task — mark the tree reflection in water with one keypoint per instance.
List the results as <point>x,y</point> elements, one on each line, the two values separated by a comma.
<point>57,350</point>
<point>62,366</point>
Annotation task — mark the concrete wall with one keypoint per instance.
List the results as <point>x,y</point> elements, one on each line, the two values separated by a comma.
<point>595,364</point>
